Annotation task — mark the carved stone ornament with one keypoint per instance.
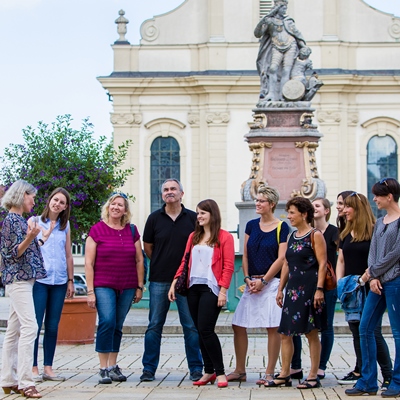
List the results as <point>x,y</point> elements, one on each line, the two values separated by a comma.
<point>311,188</point>
<point>218,118</point>
<point>248,189</point>
<point>149,30</point>
<point>306,121</point>
<point>260,121</point>
<point>194,118</point>
<point>310,160</point>
<point>329,117</point>
<point>394,29</point>
<point>353,119</point>
<point>121,22</point>
<point>126,119</point>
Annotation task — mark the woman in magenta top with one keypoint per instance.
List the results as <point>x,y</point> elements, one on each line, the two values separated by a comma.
<point>114,275</point>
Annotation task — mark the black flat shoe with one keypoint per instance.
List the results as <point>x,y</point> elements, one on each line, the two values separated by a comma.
<point>357,392</point>
<point>297,375</point>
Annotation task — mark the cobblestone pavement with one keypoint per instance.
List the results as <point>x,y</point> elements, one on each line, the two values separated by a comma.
<point>79,364</point>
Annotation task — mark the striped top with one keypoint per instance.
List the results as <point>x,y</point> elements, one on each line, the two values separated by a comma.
<point>384,253</point>
<point>115,264</point>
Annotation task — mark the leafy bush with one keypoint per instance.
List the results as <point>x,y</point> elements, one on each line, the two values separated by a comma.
<point>58,155</point>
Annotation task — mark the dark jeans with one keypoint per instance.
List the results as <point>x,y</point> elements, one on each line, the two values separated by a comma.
<point>49,300</point>
<point>203,306</point>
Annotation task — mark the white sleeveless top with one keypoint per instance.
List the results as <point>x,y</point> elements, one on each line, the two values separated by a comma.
<point>201,272</point>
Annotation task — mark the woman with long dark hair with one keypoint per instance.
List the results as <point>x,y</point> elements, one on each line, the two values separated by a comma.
<point>210,272</point>
<point>49,293</point>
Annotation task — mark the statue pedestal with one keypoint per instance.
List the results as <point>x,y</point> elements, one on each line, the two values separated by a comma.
<point>283,141</point>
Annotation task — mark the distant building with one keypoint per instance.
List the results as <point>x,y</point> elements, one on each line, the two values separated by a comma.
<point>185,97</point>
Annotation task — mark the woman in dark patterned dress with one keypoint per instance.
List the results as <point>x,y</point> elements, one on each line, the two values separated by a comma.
<point>303,274</point>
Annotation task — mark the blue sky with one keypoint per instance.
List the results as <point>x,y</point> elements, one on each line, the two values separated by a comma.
<point>53,50</point>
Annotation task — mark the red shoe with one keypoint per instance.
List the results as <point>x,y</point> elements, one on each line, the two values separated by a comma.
<point>209,380</point>
<point>222,384</point>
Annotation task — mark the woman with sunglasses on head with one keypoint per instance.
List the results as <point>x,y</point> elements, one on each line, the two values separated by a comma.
<point>114,275</point>
<point>354,245</point>
<point>263,257</point>
<point>210,272</point>
<point>383,274</point>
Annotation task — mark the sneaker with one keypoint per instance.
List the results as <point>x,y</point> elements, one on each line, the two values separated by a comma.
<point>116,374</point>
<point>385,384</point>
<point>350,379</point>
<point>147,376</point>
<point>196,375</point>
<point>104,376</point>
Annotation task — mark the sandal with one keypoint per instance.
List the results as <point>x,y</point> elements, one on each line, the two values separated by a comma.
<point>30,392</point>
<point>11,389</point>
<point>264,379</point>
<point>236,377</point>
<point>307,385</point>
<point>287,381</point>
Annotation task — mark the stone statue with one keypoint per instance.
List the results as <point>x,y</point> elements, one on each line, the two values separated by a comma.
<point>283,54</point>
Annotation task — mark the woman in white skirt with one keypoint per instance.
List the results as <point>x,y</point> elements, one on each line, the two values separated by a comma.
<point>263,256</point>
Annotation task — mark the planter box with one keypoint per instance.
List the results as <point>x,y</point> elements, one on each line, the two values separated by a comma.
<point>77,323</point>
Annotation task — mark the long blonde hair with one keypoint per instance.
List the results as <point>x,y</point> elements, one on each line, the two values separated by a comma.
<point>362,225</point>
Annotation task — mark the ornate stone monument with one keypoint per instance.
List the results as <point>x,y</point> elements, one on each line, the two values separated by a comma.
<point>283,139</point>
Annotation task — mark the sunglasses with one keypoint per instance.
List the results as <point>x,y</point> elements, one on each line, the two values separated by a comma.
<point>355,194</point>
<point>120,194</point>
<point>383,181</point>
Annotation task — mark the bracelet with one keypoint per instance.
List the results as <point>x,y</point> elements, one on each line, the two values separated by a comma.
<point>41,242</point>
<point>70,280</point>
<point>320,288</point>
<point>90,292</point>
<point>264,282</point>
<point>246,277</point>
<point>140,288</point>
<point>223,294</point>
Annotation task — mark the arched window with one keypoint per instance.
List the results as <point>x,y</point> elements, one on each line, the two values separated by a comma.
<point>165,163</point>
<point>381,163</point>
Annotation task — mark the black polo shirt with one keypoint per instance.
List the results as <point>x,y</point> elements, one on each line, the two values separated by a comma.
<point>169,241</point>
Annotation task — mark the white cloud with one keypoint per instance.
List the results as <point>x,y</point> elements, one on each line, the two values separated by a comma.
<point>18,4</point>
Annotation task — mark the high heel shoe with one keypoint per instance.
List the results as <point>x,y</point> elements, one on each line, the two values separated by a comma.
<point>223,384</point>
<point>211,380</point>
<point>283,381</point>
<point>11,389</point>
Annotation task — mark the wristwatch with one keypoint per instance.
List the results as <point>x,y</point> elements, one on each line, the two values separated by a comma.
<point>140,288</point>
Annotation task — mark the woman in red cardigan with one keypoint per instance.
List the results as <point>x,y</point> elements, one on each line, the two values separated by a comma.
<point>210,271</point>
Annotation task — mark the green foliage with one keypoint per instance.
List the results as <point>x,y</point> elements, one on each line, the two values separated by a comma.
<point>57,155</point>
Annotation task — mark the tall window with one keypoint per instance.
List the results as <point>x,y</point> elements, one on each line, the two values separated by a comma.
<point>381,163</point>
<point>165,163</point>
<point>265,7</point>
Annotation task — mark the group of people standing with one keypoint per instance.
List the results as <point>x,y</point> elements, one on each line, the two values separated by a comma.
<point>284,274</point>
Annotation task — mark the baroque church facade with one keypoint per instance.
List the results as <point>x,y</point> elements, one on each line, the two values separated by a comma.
<point>185,95</point>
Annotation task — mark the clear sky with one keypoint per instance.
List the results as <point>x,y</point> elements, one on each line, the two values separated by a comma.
<point>53,50</point>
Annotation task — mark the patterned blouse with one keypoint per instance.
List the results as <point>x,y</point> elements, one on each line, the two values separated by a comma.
<point>30,264</point>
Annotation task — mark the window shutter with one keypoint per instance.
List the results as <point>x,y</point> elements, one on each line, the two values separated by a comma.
<point>265,7</point>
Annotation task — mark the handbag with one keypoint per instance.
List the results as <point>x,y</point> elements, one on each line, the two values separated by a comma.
<point>330,277</point>
<point>181,283</point>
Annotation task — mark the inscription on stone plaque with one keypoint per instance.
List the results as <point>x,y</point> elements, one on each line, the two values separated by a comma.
<point>284,163</point>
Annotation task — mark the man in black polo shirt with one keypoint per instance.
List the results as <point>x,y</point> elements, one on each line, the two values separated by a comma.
<point>164,238</point>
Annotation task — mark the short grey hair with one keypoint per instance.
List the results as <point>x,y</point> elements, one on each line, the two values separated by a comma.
<point>172,180</point>
<point>271,194</point>
<point>14,196</point>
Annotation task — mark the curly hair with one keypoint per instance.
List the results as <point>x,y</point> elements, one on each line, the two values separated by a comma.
<point>303,205</point>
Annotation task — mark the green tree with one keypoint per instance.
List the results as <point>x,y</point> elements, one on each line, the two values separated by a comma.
<point>57,155</point>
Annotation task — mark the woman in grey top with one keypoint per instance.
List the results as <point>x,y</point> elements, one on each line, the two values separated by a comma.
<point>384,275</point>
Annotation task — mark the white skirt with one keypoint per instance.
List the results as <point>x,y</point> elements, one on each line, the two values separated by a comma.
<point>259,310</point>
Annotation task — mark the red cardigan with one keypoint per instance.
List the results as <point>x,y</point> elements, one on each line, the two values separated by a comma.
<point>222,261</point>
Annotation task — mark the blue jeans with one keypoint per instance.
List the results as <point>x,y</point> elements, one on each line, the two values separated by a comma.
<point>112,307</point>
<point>158,309</point>
<point>374,308</point>
<point>49,301</point>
